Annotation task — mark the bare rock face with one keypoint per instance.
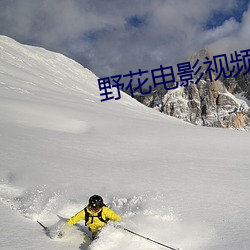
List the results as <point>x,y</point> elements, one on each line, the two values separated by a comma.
<point>208,103</point>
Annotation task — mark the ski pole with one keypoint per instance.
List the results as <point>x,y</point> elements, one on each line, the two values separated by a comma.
<point>45,228</point>
<point>146,238</point>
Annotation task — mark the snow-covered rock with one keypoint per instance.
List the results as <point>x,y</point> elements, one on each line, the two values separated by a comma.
<point>207,103</point>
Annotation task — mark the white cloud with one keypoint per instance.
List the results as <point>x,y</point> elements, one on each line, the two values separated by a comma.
<point>237,39</point>
<point>228,28</point>
<point>97,32</point>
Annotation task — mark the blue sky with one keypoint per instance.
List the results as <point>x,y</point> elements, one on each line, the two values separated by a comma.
<point>114,36</point>
<point>218,17</point>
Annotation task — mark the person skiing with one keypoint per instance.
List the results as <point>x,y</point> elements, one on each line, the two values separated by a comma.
<point>95,214</point>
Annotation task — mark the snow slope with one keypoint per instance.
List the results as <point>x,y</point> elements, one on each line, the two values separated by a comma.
<point>176,183</point>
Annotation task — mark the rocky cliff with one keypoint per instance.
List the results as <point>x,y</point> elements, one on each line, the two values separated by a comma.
<point>222,103</point>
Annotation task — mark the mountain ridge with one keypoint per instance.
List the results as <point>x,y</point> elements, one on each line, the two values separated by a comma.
<point>207,103</point>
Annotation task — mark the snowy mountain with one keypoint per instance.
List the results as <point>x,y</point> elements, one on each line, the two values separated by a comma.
<point>222,103</point>
<point>182,185</point>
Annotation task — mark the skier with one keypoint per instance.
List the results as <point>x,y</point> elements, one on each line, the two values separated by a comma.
<point>95,214</point>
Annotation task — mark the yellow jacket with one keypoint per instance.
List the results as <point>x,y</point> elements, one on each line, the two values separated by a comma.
<point>94,223</point>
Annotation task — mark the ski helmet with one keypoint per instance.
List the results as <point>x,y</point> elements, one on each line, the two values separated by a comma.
<point>95,202</point>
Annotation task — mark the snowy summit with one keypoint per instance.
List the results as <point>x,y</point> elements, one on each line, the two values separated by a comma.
<point>185,186</point>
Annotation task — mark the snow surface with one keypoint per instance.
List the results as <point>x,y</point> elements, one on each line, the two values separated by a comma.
<point>183,185</point>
